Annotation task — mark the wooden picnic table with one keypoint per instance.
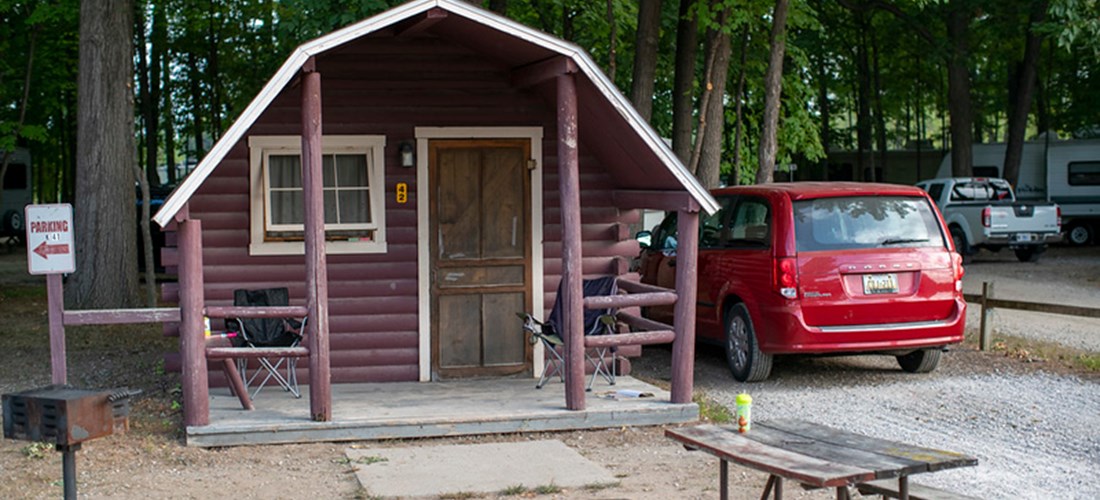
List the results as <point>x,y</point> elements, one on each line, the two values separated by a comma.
<point>815,455</point>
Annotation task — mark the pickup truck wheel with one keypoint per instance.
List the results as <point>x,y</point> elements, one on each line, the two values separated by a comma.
<point>746,362</point>
<point>1079,234</point>
<point>922,361</point>
<point>1029,254</point>
<point>961,245</point>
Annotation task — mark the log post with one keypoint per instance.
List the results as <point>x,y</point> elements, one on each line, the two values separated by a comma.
<point>317,328</point>
<point>572,286</point>
<point>984,339</point>
<point>683,348</point>
<point>55,298</point>
<point>196,389</point>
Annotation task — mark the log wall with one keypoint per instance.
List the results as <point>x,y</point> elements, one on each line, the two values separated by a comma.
<point>386,86</point>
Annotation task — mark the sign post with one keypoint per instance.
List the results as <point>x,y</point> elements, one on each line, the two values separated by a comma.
<point>50,251</point>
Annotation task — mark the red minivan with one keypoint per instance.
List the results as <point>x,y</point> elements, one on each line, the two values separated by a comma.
<point>819,268</point>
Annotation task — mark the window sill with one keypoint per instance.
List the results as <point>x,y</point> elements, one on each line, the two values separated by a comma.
<point>331,248</point>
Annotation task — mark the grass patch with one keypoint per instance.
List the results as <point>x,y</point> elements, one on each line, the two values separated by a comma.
<point>711,411</point>
<point>547,489</point>
<point>599,486</point>
<point>1038,351</point>
<point>514,490</point>
<point>461,495</point>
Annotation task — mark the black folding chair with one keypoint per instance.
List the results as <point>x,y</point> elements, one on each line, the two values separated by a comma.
<point>267,332</point>
<point>596,322</point>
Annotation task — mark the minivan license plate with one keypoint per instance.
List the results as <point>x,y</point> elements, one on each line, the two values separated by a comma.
<point>874,284</point>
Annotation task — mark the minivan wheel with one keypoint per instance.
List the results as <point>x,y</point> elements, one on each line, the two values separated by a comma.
<point>920,361</point>
<point>746,362</point>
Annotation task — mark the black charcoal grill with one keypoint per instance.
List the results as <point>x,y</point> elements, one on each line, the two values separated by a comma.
<point>66,417</point>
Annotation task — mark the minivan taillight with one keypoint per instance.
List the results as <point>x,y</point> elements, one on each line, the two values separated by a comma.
<point>987,217</point>
<point>786,277</point>
<point>960,271</point>
<point>1058,210</point>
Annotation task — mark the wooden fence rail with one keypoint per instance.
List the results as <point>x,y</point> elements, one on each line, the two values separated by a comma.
<point>987,303</point>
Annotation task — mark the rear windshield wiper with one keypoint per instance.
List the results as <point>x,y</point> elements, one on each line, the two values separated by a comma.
<point>898,241</point>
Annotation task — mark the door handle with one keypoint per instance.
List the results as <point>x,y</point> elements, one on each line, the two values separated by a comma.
<point>671,262</point>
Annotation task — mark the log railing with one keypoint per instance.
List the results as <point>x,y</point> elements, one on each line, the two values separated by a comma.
<point>637,295</point>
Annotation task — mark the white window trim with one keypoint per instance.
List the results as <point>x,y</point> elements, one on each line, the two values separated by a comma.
<point>260,147</point>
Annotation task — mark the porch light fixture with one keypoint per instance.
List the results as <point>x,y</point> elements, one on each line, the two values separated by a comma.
<point>408,158</point>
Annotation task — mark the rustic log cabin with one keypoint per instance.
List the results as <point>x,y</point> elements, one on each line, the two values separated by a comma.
<point>415,180</point>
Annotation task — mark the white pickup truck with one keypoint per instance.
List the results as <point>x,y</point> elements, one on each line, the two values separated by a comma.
<point>982,212</point>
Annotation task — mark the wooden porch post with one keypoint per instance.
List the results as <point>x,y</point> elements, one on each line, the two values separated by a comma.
<point>320,379</point>
<point>572,293</point>
<point>683,348</point>
<point>196,389</point>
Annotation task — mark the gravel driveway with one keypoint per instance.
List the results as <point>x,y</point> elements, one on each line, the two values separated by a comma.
<point>1034,428</point>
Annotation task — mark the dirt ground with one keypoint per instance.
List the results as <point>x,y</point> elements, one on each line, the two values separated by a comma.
<point>151,461</point>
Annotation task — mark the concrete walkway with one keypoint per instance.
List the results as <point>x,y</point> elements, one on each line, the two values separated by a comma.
<point>433,471</point>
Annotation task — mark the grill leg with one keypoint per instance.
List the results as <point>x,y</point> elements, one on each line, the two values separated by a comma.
<point>68,469</point>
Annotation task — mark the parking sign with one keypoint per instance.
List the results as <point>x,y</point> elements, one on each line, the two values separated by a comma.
<point>50,248</point>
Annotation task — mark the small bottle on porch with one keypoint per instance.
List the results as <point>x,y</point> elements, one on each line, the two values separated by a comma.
<point>744,412</point>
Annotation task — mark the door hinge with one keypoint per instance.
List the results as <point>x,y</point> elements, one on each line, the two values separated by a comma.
<point>532,164</point>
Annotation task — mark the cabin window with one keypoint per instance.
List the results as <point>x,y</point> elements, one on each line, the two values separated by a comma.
<point>353,186</point>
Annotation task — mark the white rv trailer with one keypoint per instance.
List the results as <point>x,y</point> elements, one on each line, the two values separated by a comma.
<point>1066,172</point>
<point>17,194</point>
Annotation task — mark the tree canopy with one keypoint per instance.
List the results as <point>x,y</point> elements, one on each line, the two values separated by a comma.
<point>856,75</point>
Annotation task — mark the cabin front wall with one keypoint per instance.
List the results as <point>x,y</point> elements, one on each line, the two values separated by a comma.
<point>413,90</point>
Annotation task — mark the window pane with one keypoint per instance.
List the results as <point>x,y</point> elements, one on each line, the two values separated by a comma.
<point>327,171</point>
<point>354,206</point>
<point>330,207</point>
<point>1084,173</point>
<point>865,222</point>
<point>285,171</point>
<point>286,207</point>
<point>351,171</point>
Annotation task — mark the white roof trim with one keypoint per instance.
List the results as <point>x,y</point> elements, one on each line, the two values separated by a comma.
<point>293,64</point>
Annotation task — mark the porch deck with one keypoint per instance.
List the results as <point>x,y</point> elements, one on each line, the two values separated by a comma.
<point>422,409</point>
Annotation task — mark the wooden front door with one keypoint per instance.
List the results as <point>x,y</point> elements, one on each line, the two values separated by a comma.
<point>480,256</point>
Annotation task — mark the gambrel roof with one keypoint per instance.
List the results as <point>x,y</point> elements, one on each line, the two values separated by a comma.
<point>630,150</point>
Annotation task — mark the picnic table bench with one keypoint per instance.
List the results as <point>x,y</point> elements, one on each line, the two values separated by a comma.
<point>817,456</point>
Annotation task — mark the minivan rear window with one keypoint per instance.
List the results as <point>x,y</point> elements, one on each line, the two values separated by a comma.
<point>865,222</point>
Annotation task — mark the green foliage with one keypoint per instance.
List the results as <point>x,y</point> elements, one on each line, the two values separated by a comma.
<point>547,489</point>
<point>514,490</point>
<point>37,450</point>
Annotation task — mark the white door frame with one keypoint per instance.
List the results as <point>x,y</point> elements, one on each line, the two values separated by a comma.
<point>423,259</point>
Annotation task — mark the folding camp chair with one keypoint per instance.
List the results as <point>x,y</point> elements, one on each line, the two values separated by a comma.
<point>267,332</point>
<point>596,322</point>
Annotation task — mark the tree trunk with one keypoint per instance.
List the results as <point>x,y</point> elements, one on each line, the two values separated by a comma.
<point>645,57</point>
<point>612,41</point>
<point>738,109</point>
<point>710,161</point>
<point>876,103</point>
<point>958,89</point>
<point>212,74</point>
<point>773,87</point>
<point>149,82</point>
<point>160,44</point>
<point>1025,87</point>
<point>106,253</point>
<point>864,157</point>
<point>687,46</point>
<point>196,106</point>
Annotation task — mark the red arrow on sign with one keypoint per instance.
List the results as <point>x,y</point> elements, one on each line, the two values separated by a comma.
<point>46,250</point>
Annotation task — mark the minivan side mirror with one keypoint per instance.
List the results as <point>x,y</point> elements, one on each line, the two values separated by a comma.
<point>645,238</point>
